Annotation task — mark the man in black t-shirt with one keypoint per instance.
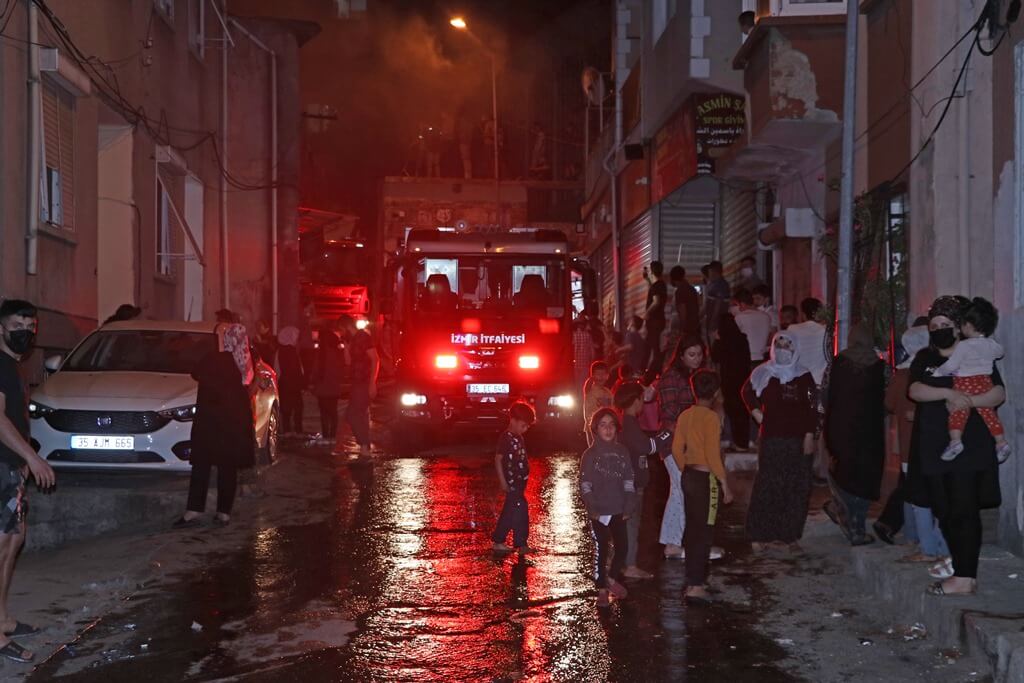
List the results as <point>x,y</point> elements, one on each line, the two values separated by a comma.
<point>654,316</point>
<point>365,364</point>
<point>17,458</point>
<point>687,302</point>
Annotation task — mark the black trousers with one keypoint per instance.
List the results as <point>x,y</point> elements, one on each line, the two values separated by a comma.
<point>615,532</point>
<point>700,500</point>
<point>892,513</point>
<point>515,517</point>
<point>291,410</point>
<point>739,419</point>
<point>199,483</point>
<point>328,416</point>
<point>656,353</point>
<point>961,521</point>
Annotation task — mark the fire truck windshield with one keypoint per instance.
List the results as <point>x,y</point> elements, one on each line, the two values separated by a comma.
<point>337,264</point>
<point>509,284</point>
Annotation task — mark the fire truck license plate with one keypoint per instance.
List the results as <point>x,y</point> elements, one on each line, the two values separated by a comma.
<point>102,443</point>
<point>487,389</point>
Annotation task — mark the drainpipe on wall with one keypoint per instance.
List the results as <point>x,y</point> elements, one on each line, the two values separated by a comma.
<point>225,281</point>
<point>844,269</point>
<point>274,246</point>
<point>34,148</point>
<point>610,166</point>
<point>963,183</point>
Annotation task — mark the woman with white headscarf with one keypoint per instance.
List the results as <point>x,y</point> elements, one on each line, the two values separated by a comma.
<point>781,397</point>
<point>222,427</point>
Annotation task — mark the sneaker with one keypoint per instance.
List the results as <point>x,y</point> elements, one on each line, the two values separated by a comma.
<point>617,589</point>
<point>954,449</point>
<point>1003,452</point>
<point>602,598</point>
<point>883,532</point>
<point>716,553</point>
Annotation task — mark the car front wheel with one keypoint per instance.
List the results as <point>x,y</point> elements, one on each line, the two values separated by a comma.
<point>268,451</point>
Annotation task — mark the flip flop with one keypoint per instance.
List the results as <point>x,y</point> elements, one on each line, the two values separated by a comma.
<point>15,653</point>
<point>937,589</point>
<point>23,629</point>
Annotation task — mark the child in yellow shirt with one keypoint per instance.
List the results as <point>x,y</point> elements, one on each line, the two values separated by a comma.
<point>696,449</point>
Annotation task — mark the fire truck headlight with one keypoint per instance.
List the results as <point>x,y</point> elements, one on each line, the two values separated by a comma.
<point>411,400</point>
<point>563,401</point>
<point>446,361</point>
<point>362,324</point>
<point>529,362</point>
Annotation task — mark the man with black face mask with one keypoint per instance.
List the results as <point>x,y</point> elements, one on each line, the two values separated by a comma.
<point>17,459</point>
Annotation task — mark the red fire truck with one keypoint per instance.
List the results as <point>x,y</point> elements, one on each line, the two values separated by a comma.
<point>335,275</point>
<point>483,320</point>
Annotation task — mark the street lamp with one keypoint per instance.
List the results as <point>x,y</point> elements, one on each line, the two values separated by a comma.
<point>459,23</point>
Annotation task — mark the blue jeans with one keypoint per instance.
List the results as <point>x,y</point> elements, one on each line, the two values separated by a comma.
<point>928,534</point>
<point>515,517</point>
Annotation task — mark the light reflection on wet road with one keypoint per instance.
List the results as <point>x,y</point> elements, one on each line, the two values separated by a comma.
<point>404,558</point>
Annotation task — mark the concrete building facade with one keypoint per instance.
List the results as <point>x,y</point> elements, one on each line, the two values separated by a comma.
<point>136,185</point>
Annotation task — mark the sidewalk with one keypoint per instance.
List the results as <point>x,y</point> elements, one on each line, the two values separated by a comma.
<point>988,626</point>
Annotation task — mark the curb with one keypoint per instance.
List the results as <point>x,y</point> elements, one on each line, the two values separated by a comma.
<point>987,625</point>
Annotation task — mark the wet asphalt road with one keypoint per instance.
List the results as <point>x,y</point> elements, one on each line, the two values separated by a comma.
<point>384,572</point>
<point>405,557</point>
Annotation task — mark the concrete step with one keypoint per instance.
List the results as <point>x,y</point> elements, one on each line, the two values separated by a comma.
<point>987,626</point>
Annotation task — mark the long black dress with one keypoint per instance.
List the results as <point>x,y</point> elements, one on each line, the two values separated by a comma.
<point>855,426</point>
<point>222,432</point>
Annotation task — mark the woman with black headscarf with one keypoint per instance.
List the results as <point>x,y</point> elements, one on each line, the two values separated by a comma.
<point>855,433</point>
<point>731,353</point>
<point>959,490</point>
<point>222,429</point>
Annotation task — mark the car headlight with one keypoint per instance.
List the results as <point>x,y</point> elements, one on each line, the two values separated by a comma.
<point>564,401</point>
<point>181,413</point>
<point>37,410</point>
<point>362,324</point>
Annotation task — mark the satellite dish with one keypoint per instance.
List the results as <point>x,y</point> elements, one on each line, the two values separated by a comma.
<point>593,85</point>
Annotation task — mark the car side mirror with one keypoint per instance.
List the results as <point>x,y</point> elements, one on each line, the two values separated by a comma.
<point>52,364</point>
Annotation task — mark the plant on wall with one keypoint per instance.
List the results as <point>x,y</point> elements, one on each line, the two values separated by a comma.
<point>879,265</point>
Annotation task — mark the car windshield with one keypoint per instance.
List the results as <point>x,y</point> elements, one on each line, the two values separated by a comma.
<point>164,351</point>
<point>513,284</point>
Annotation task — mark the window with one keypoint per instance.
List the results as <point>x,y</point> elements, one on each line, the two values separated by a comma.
<point>57,174</point>
<point>505,285</point>
<point>165,8</point>
<point>197,27</point>
<point>808,7</point>
<point>164,225</point>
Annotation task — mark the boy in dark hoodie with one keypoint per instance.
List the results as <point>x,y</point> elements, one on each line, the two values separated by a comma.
<point>513,470</point>
<point>606,484</point>
<point>629,400</point>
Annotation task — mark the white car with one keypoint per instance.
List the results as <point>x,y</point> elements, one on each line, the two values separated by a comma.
<point>124,398</point>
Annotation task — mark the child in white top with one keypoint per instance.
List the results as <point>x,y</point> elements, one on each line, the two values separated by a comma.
<point>971,366</point>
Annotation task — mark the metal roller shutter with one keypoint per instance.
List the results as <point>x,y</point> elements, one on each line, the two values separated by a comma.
<point>687,235</point>
<point>637,251</point>
<point>602,263</point>
<point>739,226</point>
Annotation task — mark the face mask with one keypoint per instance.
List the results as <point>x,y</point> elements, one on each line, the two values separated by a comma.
<point>746,272</point>
<point>20,341</point>
<point>783,356</point>
<point>942,338</point>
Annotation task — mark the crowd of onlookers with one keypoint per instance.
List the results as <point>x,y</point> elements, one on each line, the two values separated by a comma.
<point>743,371</point>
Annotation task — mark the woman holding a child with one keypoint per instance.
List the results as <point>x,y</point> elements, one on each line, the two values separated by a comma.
<point>956,489</point>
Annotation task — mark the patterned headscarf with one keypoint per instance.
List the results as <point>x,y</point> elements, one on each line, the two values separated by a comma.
<point>952,307</point>
<point>236,342</point>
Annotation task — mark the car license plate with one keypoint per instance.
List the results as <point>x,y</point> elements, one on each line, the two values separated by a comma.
<point>102,443</point>
<point>487,389</point>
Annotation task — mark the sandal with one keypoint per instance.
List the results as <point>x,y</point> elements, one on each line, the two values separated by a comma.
<point>23,629</point>
<point>937,589</point>
<point>16,653</point>
<point>919,557</point>
<point>942,569</point>
<point>182,523</point>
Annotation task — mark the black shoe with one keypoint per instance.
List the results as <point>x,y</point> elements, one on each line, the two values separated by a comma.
<point>862,539</point>
<point>884,532</point>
